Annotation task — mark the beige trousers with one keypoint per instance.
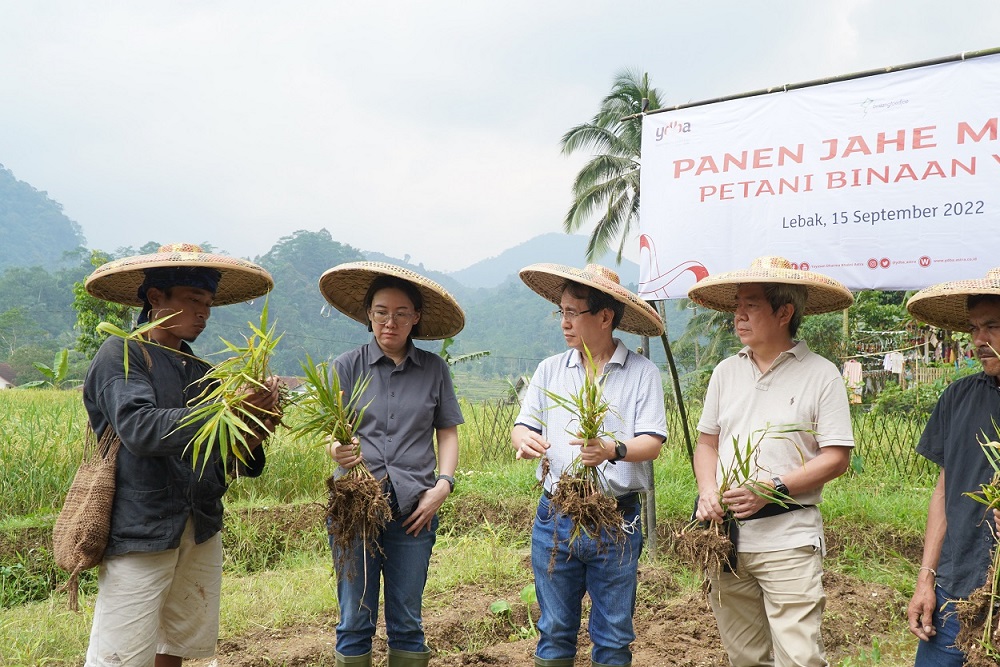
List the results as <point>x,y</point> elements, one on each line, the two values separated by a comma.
<point>769,612</point>
<point>159,602</point>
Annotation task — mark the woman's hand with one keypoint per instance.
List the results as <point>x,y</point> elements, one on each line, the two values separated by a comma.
<point>346,456</point>
<point>428,505</point>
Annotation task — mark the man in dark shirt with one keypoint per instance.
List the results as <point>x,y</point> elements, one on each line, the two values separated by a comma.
<point>159,583</point>
<point>958,541</point>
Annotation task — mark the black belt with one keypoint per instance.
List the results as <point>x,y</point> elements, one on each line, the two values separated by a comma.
<point>774,509</point>
<point>625,502</point>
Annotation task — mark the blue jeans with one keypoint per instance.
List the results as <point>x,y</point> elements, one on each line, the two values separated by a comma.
<point>403,566</point>
<point>940,651</point>
<point>609,576</point>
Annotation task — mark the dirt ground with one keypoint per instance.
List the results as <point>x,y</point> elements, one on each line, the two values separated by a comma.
<point>672,627</point>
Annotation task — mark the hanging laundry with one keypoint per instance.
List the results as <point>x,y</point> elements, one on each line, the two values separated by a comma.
<point>895,362</point>
<point>853,374</point>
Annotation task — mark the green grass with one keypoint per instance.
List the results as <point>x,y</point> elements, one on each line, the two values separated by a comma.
<point>40,448</point>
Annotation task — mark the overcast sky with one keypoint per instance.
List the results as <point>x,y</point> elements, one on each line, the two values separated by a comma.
<point>425,128</point>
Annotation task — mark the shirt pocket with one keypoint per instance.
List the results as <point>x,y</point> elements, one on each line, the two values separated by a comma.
<point>143,515</point>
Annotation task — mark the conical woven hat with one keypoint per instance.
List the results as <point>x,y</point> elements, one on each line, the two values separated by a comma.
<point>548,280</point>
<point>344,287</point>
<point>944,305</point>
<point>119,280</point>
<point>718,292</point>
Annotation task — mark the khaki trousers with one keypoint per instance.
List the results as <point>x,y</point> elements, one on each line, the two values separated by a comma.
<point>769,612</point>
<point>158,602</point>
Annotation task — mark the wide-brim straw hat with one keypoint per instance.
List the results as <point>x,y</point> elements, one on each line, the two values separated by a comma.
<point>548,281</point>
<point>718,292</point>
<point>944,305</point>
<point>344,287</point>
<point>119,280</point>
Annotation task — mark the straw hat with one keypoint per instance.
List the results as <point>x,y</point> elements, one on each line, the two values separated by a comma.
<point>718,292</point>
<point>943,305</point>
<point>120,279</point>
<point>344,287</point>
<point>548,280</point>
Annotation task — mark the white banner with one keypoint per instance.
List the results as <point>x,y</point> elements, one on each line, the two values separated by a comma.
<point>887,182</point>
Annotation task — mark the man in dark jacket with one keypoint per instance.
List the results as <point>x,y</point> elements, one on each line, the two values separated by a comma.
<point>959,537</point>
<point>159,584</point>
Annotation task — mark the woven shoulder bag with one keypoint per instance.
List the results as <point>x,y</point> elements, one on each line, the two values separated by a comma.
<point>81,532</point>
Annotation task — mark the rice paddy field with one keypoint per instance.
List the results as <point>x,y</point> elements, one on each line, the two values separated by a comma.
<point>279,602</point>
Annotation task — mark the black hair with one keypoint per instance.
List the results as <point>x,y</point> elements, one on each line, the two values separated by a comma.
<point>597,300</point>
<point>779,294</point>
<point>405,286</point>
<point>974,300</point>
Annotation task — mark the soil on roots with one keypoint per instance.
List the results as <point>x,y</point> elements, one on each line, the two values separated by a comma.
<point>973,615</point>
<point>357,510</point>
<point>592,511</point>
<point>703,547</point>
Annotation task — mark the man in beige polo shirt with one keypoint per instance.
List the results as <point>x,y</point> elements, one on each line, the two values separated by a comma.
<point>769,608</point>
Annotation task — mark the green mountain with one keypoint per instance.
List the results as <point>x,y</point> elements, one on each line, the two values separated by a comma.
<point>33,229</point>
<point>568,249</point>
<point>42,255</point>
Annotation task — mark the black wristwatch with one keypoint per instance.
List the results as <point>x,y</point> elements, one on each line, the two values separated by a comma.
<point>780,487</point>
<point>449,479</point>
<point>620,452</point>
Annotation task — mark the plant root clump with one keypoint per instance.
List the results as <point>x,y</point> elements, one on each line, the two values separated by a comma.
<point>357,509</point>
<point>974,638</point>
<point>592,511</point>
<point>703,546</point>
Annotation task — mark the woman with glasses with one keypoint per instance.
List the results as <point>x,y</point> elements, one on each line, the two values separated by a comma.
<point>411,403</point>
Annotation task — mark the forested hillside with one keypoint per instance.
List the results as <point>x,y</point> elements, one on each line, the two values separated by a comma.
<point>33,229</point>
<point>509,321</point>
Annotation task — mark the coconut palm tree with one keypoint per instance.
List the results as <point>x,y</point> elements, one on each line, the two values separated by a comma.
<point>608,185</point>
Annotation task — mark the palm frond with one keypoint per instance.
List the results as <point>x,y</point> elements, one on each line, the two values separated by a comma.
<point>599,186</point>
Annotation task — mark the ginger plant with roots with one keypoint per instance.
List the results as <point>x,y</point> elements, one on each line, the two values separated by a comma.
<point>706,544</point>
<point>581,492</point>
<point>357,508</point>
<point>223,418</point>
<point>222,415</point>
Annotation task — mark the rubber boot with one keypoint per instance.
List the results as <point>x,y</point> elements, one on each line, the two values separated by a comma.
<point>556,662</point>
<point>597,664</point>
<point>399,658</point>
<point>353,660</point>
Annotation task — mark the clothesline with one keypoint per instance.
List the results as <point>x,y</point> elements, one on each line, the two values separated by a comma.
<point>883,352</point>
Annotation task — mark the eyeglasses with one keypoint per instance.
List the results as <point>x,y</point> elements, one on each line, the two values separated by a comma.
<point>568,315</point>
<point>382,317</point>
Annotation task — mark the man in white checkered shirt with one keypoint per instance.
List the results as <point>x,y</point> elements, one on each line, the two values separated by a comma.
<point>592,304</point>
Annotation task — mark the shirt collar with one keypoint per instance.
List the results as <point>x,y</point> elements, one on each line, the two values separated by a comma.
<point>981,376</point>
<point>375,353</point>
<point>799,350</point>
<point>618,357</point>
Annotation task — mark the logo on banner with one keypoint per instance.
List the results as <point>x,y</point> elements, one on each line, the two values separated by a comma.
<point>673,127</point>
<point>873,105</point>
<point>925,261</point>
<point>655,283</point>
